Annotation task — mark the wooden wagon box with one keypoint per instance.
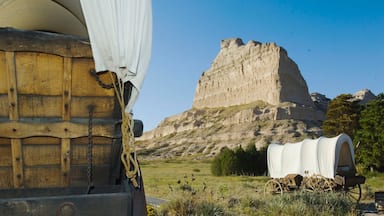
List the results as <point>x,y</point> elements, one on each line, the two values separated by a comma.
<point>46,98</point>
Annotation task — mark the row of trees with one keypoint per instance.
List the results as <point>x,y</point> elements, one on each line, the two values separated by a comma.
<point>363,123</point>
<point>240,162</point>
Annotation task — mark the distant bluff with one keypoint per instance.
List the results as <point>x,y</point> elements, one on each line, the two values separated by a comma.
<point>245,73</point>
<point>252,94</point>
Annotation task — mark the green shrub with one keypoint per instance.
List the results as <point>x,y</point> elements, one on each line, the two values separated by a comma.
<point>240,162</point>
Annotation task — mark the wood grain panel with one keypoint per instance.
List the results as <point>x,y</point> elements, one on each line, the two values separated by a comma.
<point>40,106</point>
<point>38,177</point>
<point>79,175</point>
<point>65,161</point>
<point>40,140</point>
<point>5,155</point>
<point>17,163</point>
<point>12,86</point>
<point>83,83</point>
<point>101,154</point>
<point>97,140</point>
<point>39,73</point>
<point>4,105</point>
<point>3,79</point>
<point>5,141</point>
<point>6,180</point>
<point>104,107</point>
<point>41,155</point>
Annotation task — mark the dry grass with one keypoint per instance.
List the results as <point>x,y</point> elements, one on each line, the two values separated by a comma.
<point>188,184</point>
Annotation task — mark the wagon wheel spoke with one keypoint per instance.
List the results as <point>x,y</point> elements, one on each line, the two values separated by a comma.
<point>327,185</point>
<point>354,193</point>
<point>273,187</point>
<point>318,183</point>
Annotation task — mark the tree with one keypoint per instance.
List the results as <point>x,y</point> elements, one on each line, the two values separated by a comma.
<point>370,136</point>
<point>224,163</point>
<point>240,161</point>
<point>342,116</point>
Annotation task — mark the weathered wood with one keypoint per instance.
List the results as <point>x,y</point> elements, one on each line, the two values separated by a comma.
<point>67,90</point>
<point>6,180</point>
<point>84,84</point>
<point>17,163</point>
<point>3,80</point>
<point>42,176</point>
<point>6,155</point>
<point>17,130</point>
<point>45,91</point>
<point>63,45</point>
<point>17,159</point>
<point>4,105</point>
<point>104,107</point>
<point>40,106</point>
<point>12,87</point>
<point>35,155</point>
<point>39,140</point>
<point>101,154</point>
<point>79,175</point>
<point>66,116</point>
<point>39,73</point>
<point>65,161</point>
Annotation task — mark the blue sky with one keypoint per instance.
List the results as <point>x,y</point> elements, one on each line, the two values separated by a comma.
<point>338,45</point>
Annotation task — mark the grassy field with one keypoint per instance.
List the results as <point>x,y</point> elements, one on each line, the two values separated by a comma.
<point>175,179</point>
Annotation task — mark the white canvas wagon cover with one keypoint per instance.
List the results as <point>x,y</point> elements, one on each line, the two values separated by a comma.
<point>322,156</point>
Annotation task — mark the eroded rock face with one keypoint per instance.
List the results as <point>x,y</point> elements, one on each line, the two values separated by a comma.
<point>364,96</point>
<point>244,73</point>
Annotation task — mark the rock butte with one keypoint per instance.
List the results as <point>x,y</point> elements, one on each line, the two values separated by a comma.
<point>244,73</point>
<point>252,93</point>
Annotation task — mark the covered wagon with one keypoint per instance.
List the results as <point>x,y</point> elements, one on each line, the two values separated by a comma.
<point>323,164</point>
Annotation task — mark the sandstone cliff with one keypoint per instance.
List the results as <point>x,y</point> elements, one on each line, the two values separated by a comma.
<point>244,73</point>
<point>252,94</point>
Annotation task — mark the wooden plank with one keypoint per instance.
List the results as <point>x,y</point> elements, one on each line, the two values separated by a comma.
<point>34,155</point>
<point>39,73</point>
<point>17,160</point>
<point>3,80</point>
<point>12,87</point>
<point>104,108</point>
<point>5,155</point>
<point>6,180</point>
<point>79,175</point>
<point>97,140</point>
<point>17,130</point>
<point>41,140</point>
<point>101,154</point>
<point>83,84</point>
<point>17,164</point>
<point>67,90</point>
<point>4,105</point>
<point>5,141</point>
<point>42,42</point>
<point>42,177</point>
<point>40,106</point>
<point>65,161</point>
<point>65,154</point>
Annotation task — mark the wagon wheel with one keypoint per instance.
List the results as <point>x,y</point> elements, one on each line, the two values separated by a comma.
<point>317,183</point>
<point>353,193</point>
<point>273,187</point>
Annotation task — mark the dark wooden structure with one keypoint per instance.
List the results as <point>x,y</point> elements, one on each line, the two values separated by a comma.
<point>59,128</point>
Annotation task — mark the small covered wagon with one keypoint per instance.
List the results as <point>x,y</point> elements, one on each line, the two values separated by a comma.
<point>323,164</point>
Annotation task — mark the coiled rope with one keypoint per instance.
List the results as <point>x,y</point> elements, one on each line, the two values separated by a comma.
<point>128,154</point>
